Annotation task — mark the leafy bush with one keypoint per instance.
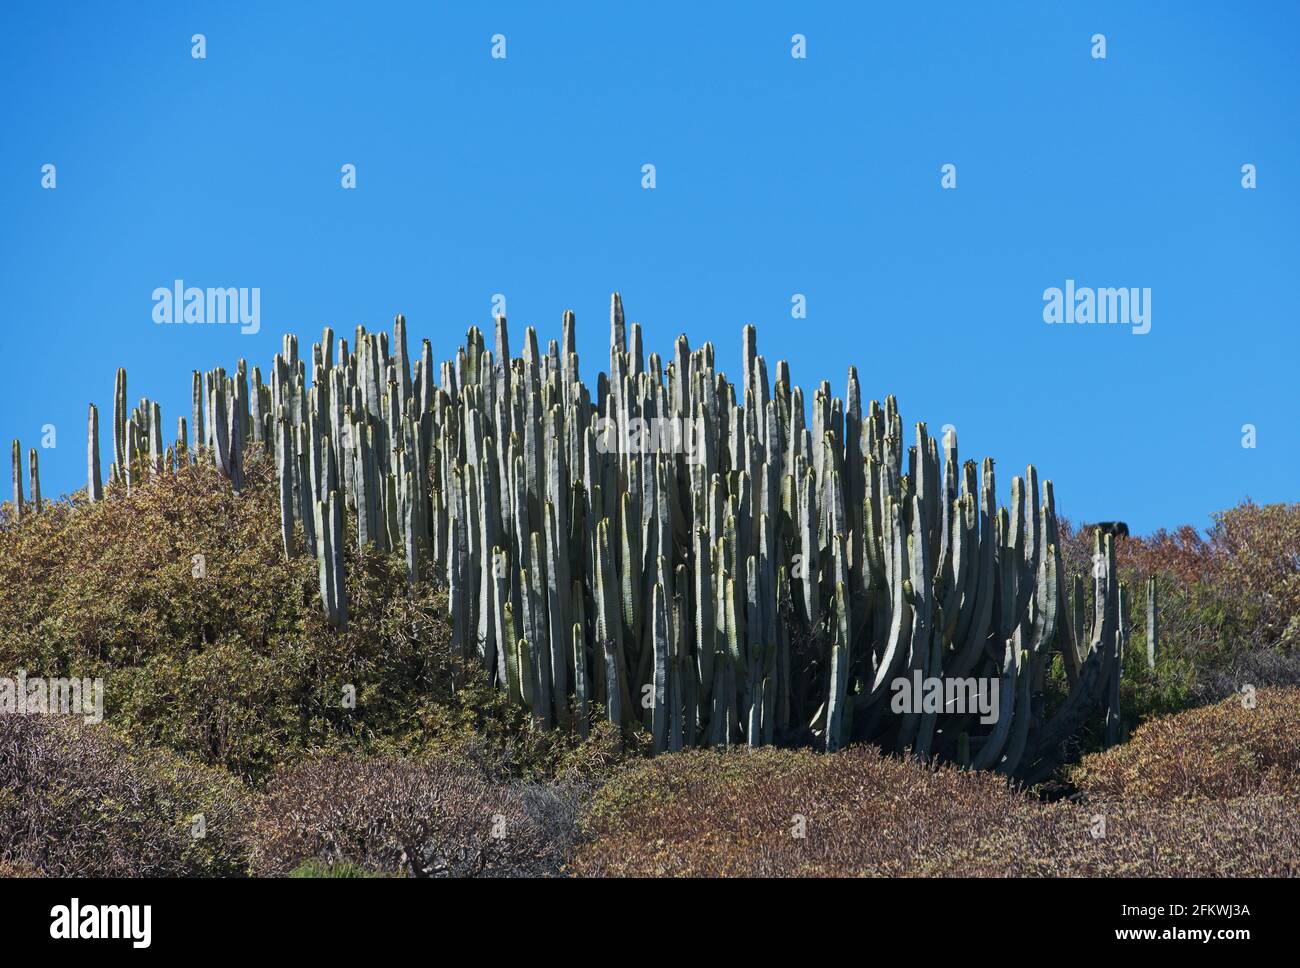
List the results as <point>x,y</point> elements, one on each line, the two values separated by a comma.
<point>1260,549</point>
<point>423,818</point>
<point>238,668</point>
<point>76,800</point>
<point>1219,752</point>
<point>1229,607</point>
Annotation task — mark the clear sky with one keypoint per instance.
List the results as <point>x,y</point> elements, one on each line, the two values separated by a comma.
<point>774,176</point>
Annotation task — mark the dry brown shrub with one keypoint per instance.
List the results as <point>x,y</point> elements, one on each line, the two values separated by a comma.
<point>1252,836</point>
<point>78,801</point>
<point>1220,751</point>
<point>16,869</point>
<point>709,814</point>
<point>421,818</point>
<point>737,814</point>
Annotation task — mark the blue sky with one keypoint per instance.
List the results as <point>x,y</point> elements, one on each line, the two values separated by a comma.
<point>775,176</point>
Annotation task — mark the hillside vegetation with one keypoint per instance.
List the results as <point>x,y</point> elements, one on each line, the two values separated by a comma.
<point>298,748</point>
<point>1208,793</point>
<point>227,658</point>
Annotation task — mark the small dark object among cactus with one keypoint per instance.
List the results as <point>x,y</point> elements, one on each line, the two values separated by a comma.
<point>1117,528</point>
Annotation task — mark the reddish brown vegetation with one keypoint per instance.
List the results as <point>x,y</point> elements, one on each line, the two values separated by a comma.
<point>709,814</point>
<point>1218,752</point>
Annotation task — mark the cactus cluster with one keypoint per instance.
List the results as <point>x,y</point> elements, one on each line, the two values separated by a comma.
<point>20,504</point>
<point>682,552</point>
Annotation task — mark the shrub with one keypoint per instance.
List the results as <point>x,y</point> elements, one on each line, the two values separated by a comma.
<point>76,800</point>
<point>423,818</point>
<point>14,869</point>
<point>1229,607</point>
<point>1260,548</point>
<point>1258,667</point>
<point>316,869</point>
<point>1254,836</point>
<point>238,668</point>
<point>737,814</point>
<point>1220,751</point>
<point>706,814</point>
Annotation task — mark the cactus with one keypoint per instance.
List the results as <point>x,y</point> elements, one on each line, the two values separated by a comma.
<point>839,672</point>
<point>285,459</point>
<point>155,440</point>
<point>659,694</point>
<point>94,475</point>
<point>119,424</point>
<point>329,527</point>
<point>1114,724</point>
<point>18,480</point>
<point>1153,610</point>
<point>667,531</point>
<point>34,470</point>
<point>580,678</point>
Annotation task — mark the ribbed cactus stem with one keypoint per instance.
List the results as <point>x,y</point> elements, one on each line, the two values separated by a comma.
<point>502,634</point>
<point>580,690</point>
<point>1153,622</point>
<point>557,587</point>
<point>155,440</point>
<point>324,562</point>
<point>613,685</point>
<point>285,463</point>
<point>94,474</point>
<point>34,471</point>
<point>659,691</point>
<point>1114,721</point>
<point>131,464</point>
<point>333,524</point>
<point>839,672</point>
<point>120,455</point>
<point>17,481</point>
<point>809,565</point>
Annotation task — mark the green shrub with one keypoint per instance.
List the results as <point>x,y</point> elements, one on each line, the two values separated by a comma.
<point>238,668</point>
